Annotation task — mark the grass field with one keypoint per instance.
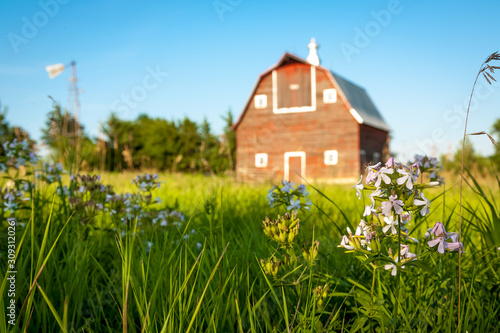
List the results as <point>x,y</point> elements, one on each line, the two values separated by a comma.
<point>202,273</point>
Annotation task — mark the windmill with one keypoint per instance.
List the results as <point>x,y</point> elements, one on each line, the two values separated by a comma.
<point>55,70</point>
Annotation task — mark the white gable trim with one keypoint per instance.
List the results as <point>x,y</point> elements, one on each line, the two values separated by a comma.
<point>356,116</point>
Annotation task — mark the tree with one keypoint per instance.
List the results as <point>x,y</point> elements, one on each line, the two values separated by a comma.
<point>208,148</point>
<point>154,142</point>
<point>495,158</point>
<point>161,144</point>
<point>9,133</point>
<point>229,140</point>
<point>473,161</point>
<point>60,135</point>
<point>188,146</point>
<point>117,132</point>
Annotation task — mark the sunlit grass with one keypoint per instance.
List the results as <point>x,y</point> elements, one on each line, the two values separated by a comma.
<point>206,276</point>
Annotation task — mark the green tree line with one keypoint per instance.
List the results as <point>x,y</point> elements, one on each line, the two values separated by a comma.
<point>142,143</point>
<point>474,161</point>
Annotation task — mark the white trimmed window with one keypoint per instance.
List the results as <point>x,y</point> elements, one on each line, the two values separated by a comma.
<point>261,160</point>
<point>329,96</point>
<point>260,101</point>
<point>331,157</point>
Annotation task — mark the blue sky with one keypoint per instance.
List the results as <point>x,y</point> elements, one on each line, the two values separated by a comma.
<point>417,59</point>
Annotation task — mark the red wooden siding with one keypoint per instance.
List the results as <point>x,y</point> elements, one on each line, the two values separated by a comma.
<point>294,86</point>
<point>374,140</point>
<point>330,127</point>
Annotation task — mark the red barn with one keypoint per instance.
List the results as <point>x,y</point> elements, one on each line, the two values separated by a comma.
<point>303,120</point>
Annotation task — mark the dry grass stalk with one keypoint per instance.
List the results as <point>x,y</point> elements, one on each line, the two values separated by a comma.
<point>487,71</point>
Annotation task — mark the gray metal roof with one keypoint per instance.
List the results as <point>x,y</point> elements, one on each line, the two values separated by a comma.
<point>362,103</point>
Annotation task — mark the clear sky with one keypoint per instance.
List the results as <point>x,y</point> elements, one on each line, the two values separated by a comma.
<point>416,59</point>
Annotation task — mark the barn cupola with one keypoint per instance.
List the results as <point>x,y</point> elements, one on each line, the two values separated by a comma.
<point>313,58</point>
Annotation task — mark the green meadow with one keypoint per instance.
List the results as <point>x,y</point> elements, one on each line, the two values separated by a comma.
<point>204,274</point>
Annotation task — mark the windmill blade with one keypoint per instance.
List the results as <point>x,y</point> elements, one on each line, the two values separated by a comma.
<point>54,70</point>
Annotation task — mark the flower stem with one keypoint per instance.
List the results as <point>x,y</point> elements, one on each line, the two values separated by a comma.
<point>398,279</point>
<point>373,289</point>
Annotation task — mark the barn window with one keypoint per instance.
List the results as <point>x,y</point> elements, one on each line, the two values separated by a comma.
<point>260,101</point>
<point>261,160</point>
<point>362,156</point>
<point>376,157</point>
<point>329,96</point>
<point>294,88</point>
<point>331,157</point>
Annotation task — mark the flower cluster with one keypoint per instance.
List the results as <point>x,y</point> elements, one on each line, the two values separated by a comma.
<point>87,196</point>
<point>131,207</point>
<point>146,182</point>
<point>283,229</point>
<point>320,294</point>
<point>406,256</point>
<point>271,266</point>
<point>10,201</point>
<point>396,197</point>
<point>50,173</point>
<point>115,203</point>
<point>310,252</point>
<point>430,165</point>
<point>439,236</point>
<point>166,217</point>
<point>17,154</point>
<point>292,198</point>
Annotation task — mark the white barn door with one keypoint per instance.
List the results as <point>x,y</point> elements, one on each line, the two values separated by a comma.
<point>295,166</point>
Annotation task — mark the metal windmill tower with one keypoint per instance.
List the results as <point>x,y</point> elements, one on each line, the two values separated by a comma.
<point>73,95</point>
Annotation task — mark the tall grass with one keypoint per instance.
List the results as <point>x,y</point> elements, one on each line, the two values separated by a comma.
<point>205,276</point>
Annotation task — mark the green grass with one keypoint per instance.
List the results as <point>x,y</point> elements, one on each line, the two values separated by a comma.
<point>87,278</point>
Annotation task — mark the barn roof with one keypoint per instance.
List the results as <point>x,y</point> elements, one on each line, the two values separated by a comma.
<point>362,103</point>
<point>359,103</point>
